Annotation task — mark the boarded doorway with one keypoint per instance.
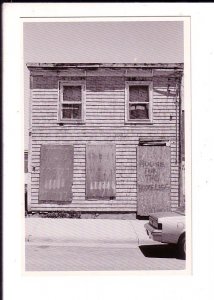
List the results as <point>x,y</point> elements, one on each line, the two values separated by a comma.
<point>153,179</point>
<point>56,174</point>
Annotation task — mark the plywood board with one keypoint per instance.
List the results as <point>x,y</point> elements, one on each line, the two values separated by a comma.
<point>100,171</point>
<point>56,173</point>
<point>153,179</point>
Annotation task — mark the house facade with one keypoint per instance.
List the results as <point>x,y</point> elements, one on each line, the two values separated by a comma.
<point>105,138</point>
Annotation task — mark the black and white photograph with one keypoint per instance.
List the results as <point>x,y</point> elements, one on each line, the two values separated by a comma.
<point>107,151</point>
<point>104,145</point>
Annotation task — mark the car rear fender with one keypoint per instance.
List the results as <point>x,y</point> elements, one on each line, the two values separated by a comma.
<point>172,229</point>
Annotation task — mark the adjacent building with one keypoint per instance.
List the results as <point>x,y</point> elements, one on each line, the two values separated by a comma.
<point>105,138</point>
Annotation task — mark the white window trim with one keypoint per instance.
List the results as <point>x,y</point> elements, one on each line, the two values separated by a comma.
<point>81,83</point>
<point>138,121</point>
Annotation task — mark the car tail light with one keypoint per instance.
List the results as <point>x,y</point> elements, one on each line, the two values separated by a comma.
<point>154,222</point>
<point>160,226</point>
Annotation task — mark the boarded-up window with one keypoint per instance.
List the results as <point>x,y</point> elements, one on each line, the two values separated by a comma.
<point>100,172</point>
<point>56,173</point>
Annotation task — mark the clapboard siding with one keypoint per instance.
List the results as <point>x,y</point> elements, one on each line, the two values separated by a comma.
<point>97,130</point>
<point>104,122</point>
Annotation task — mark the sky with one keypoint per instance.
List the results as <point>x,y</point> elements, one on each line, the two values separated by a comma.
<point>100,42</point>
<point>146,41</point>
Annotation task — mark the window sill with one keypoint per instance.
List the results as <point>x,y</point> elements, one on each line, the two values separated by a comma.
<point>62,123</point>
<point>147,122</point>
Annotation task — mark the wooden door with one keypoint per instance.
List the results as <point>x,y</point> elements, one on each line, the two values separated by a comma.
<point>56,174</point>
<point>153,179</point>
<point>100,172</point>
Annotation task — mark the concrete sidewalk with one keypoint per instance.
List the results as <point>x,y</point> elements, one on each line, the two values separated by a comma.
<point>86,232</point>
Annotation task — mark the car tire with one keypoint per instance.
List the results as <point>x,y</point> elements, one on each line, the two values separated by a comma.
<point>182,247</point>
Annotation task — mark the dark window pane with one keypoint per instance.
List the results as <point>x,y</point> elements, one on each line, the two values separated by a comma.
<point>71,111</point>
<point>139,111</point>
<point>26,162</point>
<point>138,93</point>
<point>71,93</point>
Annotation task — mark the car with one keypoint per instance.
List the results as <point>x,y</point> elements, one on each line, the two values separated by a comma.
<point>169,227</point>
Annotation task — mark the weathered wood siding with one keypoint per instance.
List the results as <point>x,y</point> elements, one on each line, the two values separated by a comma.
<point>105,122</point>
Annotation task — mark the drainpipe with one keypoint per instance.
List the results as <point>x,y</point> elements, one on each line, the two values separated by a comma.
<point>181,143</point>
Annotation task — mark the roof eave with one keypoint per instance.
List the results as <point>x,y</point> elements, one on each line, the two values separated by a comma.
<point>105,65</point>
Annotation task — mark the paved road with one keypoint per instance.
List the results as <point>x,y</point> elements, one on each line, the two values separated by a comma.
<point>69,258</point>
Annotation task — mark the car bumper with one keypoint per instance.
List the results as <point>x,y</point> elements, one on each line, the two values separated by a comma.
<point>153,233</point>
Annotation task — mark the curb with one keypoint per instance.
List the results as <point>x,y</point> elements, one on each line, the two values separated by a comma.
<point>85,244</point>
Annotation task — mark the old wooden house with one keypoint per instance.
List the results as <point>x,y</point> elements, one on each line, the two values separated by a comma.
<point>105,138</point>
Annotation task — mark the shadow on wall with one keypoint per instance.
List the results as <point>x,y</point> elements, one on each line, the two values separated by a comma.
<point>26,199</point>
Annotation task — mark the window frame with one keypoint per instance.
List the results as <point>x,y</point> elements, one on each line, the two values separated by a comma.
<point>149,84</point>
<point>61,84</point>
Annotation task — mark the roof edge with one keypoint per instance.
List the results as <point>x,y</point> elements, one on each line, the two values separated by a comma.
<point>106,65</point>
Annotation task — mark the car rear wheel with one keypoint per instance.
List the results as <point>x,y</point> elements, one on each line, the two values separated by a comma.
<point>182,247</point>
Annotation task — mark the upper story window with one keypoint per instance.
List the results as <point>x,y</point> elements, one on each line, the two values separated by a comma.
<point>138,101</point>
<point>71,101</point>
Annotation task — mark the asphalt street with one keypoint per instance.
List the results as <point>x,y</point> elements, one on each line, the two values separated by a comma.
<point>73,258</point>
